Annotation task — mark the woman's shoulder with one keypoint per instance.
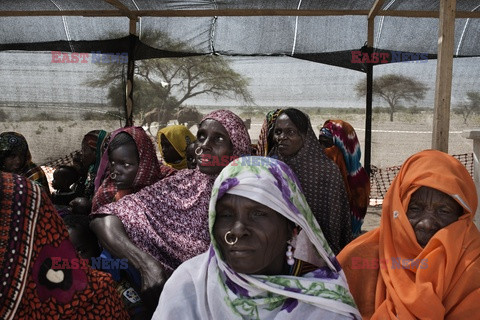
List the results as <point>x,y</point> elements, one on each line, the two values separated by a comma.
<point>189,176</point>
<point>180,292</point>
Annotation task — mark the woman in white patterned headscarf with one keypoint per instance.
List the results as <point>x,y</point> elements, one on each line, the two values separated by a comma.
<point>268,258</point>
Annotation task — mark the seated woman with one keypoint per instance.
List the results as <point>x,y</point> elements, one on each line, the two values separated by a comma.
<point>15,157</point>
<point>129,165</point>
<point>268,258</point>
<point>423,262</point>
<point>92,151</point>
<point>65,185</point>
<point>295,143</point>
<point>37,262</point>
<point>166,223</point>
<point>172,143</point>
<point>190,155</point>
<point>85,243</point>
<point>341,145</point>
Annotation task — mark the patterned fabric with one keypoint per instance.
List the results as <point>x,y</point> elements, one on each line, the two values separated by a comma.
<point>169,218</point>
<point>236,129</point>
<point>265,139</point>
<point>324,189</point>
<point>207,288</point>
<point>179,137</point>
<point>149,169</point>
<point>31,234</point>
<point>439,281</point>
<point>95,139</point>
<point>15,143</point>
<point>358,181</point>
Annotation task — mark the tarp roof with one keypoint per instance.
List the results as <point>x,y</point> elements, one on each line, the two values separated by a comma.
<point>317,30</point>
<point>323,31</point>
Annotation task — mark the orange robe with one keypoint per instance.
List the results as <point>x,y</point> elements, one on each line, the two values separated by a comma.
<point>392,277</point>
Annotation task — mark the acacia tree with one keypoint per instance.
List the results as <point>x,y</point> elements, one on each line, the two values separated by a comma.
<point>166,83</point>
<point>472,106</point>
<point>394,88</point>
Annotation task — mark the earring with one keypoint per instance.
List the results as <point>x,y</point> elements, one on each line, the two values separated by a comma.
<point>113,176</point>
<point>232,241</point>
<point>289,254</point>
<point>198,152</point>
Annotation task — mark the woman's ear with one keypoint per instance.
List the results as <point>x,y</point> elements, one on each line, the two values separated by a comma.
<point>293,229</point>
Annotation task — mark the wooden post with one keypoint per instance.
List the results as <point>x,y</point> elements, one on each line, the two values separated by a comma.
<point>368,120</point>
<point>443,84</point>
<point>474,134</point>
<point>130,74</point>
<point>367,156</point>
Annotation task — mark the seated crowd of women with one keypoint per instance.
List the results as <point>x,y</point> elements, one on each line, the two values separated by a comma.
<point>215,232</point>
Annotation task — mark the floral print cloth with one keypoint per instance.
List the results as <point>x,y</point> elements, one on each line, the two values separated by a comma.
<point>149,168</point>
<point>169,219</point>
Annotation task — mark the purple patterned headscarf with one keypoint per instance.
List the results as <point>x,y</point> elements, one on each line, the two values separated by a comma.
<point>236,130</point>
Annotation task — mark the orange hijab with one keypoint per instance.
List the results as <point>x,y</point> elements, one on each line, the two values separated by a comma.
<point>443,282</point>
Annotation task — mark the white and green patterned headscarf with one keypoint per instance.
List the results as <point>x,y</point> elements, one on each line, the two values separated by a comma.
<point>205,287</point>
<point>325,290</point>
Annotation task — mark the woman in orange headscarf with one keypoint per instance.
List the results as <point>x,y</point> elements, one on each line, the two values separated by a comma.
<point>423,262</point>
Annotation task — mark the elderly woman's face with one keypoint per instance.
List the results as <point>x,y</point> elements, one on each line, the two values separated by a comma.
<point>216,146</point>
<point>430,210</point>
<point>262,235</point>
<point>287,137</point>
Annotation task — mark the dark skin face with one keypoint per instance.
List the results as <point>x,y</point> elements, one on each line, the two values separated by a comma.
<point>325,141</point>
<point>429,211</point>
<point>170,155</point>
<point>62,180</point>
<point>88,154</point>
<point>287,137</point>
<point>190,155</point>
<point>13,163</point>
<point>124,164</point>
<point>262,236</point>
<point>215,142</point>
<point>85,246</point>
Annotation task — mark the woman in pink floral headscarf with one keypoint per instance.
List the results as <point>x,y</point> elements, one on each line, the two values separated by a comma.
<point>166,223</point>
<point>149,169</point>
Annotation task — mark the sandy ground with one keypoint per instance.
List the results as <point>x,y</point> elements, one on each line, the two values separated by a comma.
<point>392,142</point>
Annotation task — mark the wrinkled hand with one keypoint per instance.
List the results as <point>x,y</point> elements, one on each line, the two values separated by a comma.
<point>153,280</point>
<point>153,274</point>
